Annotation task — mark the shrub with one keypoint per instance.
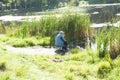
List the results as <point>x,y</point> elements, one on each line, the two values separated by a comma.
<point>21,70</point>
<point>2,66</point>
<point>75,51</point>
<point>103,69</point>
<point>4,38</point>
<point>31,41</point>
<point>103,42</point>
<point>69,76</point>
<point>19,43</point>
<point>44,41</point>
<point>114,50</point>
<point>114,42</point>
<point>2,47</point>
<point>108,42</point>
<point>5,76</point>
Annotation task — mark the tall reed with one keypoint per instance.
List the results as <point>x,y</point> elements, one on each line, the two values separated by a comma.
<point>108,42</point>
<point>115,42</point>
<point>75,26</point>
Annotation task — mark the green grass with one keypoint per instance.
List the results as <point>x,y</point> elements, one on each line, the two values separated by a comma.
<point>77,66</point>
<point>24,42</point>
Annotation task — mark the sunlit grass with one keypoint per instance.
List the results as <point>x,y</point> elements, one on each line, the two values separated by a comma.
<point>24,42</point>
<point>79,66</point>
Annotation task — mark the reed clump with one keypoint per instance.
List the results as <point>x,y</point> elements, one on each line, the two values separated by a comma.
<point>109,42</point>
<point>75,25</point>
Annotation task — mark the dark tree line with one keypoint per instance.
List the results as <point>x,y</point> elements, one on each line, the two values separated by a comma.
<point>12,4</point>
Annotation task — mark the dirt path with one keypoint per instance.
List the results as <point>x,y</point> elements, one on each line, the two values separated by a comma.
<point>31,50</point>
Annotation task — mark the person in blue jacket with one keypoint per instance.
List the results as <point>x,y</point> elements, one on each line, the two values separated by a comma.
<point>60,40</point>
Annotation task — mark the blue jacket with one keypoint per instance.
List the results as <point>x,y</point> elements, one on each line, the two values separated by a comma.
<point>59,40</point>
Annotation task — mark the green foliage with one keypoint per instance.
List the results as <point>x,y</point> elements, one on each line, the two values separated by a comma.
<point>19,43</point>
<point>5,76</point>
<point>4,38</point>
<point>92,54</point>
<point>115,42</point>
<point>2,28</point>
<point>75,51</point>
<point>31,41</point>
<point>109,44</point>
<point>44,41</point>
<point>115,73</point>
<point>21,70</point>
<point>80,56</point>
<point>103,42</point>
<point>2,47</point>
<point>76,27</point>
<point>104,69</point>
<point>42,27</point>
<point>23,42</point>
<point>2,66</point>
<point>69,76</point>
<point>83,71</point>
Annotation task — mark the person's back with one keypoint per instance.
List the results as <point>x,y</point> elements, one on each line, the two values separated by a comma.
<point>58,40</point>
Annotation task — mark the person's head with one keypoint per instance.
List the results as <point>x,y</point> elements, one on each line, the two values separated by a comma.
<point>62,32</point>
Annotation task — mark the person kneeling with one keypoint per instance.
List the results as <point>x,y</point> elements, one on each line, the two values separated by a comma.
<point>60,41</point>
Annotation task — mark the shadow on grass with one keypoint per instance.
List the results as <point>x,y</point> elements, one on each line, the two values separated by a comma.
<point>61,52</point>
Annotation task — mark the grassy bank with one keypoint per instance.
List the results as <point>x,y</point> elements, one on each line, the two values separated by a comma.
<point>76,66</point>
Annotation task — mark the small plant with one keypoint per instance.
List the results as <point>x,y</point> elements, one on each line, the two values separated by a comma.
<point>69,76</point>
<point>115,43</point>
<point>92,55</point>
<point>30,41</point>
<point>44,41</point>
<point>4,38</point>
<point>5,76</point>
<point>19,43</point>
<point>2,47</point>
<point>21,70</point>
<point>2,66</point>
<point>104,69</point>
<point>75,51</point>
<point>114,50</point>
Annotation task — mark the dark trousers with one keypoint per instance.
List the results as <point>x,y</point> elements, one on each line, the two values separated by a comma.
<point>65,45</point>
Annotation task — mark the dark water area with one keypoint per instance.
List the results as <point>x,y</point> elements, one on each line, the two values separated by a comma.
<point>101,13</point>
